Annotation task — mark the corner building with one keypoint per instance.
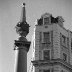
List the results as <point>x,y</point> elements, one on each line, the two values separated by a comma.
<point>52,45</point>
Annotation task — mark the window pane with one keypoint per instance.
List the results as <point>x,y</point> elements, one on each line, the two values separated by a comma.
<point>46,37</point>
<point>46,20</point>
<point>64,57</point>
<point>71,44</point>
<point>46,54</point>
<point>63,39</point>
<point>40,37</point>
<point>40,70</point>
<point>46,70</point>
<point>67,42</point>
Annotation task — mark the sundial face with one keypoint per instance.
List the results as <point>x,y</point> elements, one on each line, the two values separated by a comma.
<point>22,28</point>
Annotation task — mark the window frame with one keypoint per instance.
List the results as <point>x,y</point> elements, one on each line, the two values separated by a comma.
<point>63,39</point>
<point>68,42</point>
<point>47,21</point>
<point>47,70</point>
<point>49,37</point>
<point>64,56</point>
<point>71,44</point>
<point>43,54</point>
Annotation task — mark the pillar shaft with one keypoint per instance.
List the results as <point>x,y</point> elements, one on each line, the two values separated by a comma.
<point>21,61</point>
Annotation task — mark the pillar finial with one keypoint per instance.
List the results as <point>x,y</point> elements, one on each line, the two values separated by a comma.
<point>22,28</point>
<point>24,4</point>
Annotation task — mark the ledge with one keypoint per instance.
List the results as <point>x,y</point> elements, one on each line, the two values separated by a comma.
<point>52,62</point>
<point>22,44</point>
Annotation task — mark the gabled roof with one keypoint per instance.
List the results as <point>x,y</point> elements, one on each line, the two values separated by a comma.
<point>46,15</point>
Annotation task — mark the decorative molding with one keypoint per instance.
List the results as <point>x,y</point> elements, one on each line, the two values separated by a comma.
<point>52,62</point>
<point>22,45</point>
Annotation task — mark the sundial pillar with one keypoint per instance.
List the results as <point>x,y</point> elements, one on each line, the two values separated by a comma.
<point>22,45</point>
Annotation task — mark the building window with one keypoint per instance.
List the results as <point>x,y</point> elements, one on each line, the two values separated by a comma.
<point>46,54</point>
<point>64,57</point>
<point>67,42</point>
<point>62,71</point>
<point>40,70</point>
<point>46,20</point>
<point>46,37</point>
<point>46,71</point>
<point>63,39</point>
<point>40,37</point>
<point>71,44</point>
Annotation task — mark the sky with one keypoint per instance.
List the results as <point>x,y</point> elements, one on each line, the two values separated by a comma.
<point>10,14</point>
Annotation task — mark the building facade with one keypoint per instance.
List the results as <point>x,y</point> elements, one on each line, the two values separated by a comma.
<point>52,45</point>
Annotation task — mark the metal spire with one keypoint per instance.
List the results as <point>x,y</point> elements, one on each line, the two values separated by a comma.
<point>23,18</point>
<point>22,27</point>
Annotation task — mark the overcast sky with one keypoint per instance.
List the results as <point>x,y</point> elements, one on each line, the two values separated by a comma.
<point>10,13</point>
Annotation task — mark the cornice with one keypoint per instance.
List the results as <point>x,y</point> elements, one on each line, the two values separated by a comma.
<point>52,62</point>
<point>22,45</point>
